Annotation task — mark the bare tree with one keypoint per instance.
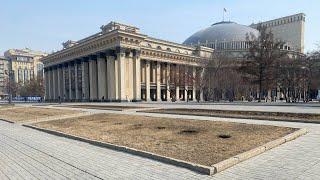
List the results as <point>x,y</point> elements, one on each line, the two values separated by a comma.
<point>259,66</point>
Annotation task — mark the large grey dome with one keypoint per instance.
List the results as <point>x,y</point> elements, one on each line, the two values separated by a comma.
<point>222,31</point>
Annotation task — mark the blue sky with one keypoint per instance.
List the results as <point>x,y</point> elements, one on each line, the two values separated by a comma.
<point>44,25</point>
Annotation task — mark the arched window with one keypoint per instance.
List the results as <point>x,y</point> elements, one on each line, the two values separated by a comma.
<point>168,49</point>
<point>159,47</point>
<point>177,51</point>
<point>149,45</point>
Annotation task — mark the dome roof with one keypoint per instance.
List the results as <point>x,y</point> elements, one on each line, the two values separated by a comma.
<point>222,31</point>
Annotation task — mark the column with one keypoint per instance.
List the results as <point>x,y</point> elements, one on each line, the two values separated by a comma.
<point>136,76</point>
<point>85,80</point>
<point>60,81</point>
<point>46,80</point>
<point>55,83</point>
<point>269,95</point>
<point>76,90</point>
<point>102,75</point>
<point>129,75</point>
<point>194,88</point>
<point>201,89</point>
<point>177,83</point>
<point>112,75</point>
<point>147,80</point>
<point>70,81</point>
<point>51,83</point>
<point>64,87</point>
<point>186,82</point>
<point>158,79</point>
<point>168,81</point>
<point>93,78</point>
<point>121,74</point>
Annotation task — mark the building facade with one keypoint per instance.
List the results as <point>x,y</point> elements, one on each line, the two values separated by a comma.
<point>3,76</point>
<point>230,38</point>
<point>121,64</point>
<point>289,29</point>
<point>24,64</point>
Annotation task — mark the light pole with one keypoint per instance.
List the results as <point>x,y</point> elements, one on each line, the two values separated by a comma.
<point>9,86</point>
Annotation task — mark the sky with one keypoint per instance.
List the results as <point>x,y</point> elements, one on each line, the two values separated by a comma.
<point>44,25</point>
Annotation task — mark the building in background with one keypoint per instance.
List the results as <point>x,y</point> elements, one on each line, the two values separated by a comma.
<point>230,38</point>
<point>24,64</point>
<point>289,29</point>
<point>3,76</point>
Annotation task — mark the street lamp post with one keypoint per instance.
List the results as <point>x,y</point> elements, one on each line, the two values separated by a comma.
<point>10,86</point>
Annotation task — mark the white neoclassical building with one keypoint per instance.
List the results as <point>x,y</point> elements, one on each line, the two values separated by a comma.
<point>121,64</point>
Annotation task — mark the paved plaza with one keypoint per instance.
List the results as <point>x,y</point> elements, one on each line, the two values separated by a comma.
<point>29,154</point>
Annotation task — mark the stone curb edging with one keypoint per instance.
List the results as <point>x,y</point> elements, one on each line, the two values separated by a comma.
<point>208,170</point>
<point>256,151</point>
<point>8,121</point>
<point>180,163</point>
<point>235,117</point>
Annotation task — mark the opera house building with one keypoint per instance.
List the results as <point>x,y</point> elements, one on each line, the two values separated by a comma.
<point>121,64</point>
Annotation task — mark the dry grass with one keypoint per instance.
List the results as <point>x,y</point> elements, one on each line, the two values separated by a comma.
<point>6,106</point>
<point>20,114</point>
<point>105,107</point>
<point>243,114</point>
<point>203,142</point>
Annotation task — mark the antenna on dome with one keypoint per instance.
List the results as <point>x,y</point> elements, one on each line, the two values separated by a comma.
<point>223,14</point>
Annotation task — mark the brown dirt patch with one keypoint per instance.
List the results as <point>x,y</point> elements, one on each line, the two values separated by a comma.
<point>21,114</point>
<point>203,142</point>
<point>105,107</point>
<point>280,116</point>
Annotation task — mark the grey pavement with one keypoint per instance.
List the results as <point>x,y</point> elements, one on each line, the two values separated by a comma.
<point>30,154</point>
<point>271,107</point>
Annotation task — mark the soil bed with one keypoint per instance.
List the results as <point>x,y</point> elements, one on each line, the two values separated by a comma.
<point>20,114</point>
<point>202,142</point>
<point>280,116</point>
<point>104,107</point>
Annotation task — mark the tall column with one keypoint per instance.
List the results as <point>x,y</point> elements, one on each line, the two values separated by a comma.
<point>55,83</point>
<point>76,90</point>
<point>51,83</point>
<point>85,80</point>
<point>70,80</point>
<point>93,78</point>
<point>194,88</point>
<point>158,79</point>
<point>121,74</point>
<point>46,80</point>
<point>186,82</point>
<point>60,81</point>
<point>64,88</point>
<point>168,81</point>
<point>136,76</point>
<point>147,80</point>
<point>201,89</point>
<point>129,76</point>
<point>269,95</point>
<point>112,75</point>
<point>177,76</point>
<point>102,75</point>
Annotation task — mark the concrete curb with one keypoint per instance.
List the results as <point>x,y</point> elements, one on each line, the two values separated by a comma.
<point>11,122</point>
<point>256,151</point>
<point>192,166</point>
<point>236,117</point>
<point>208,170</point>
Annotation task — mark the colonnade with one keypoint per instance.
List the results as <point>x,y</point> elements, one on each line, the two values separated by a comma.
<point>120,75</point>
